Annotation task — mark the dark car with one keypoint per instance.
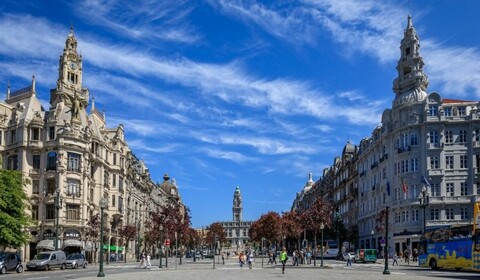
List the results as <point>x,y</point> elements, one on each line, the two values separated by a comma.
<point>76,261</point>
<point>10,261</point>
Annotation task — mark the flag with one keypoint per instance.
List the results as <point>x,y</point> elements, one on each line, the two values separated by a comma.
<point>404,186</point>
<point>425,181</point>
<point>388,188</point>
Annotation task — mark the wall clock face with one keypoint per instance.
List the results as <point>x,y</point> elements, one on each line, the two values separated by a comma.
<point>73,65</point>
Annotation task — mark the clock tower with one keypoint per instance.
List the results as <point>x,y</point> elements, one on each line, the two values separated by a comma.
<point>69,88</point>
<point>237,205</point>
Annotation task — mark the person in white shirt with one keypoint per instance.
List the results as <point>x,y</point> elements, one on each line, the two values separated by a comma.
<point>148,264</point>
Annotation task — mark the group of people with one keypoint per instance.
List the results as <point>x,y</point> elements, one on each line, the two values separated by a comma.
<point>302,257</point>
<point>406,256</point>
<point>145,261</point>
<point>245,258</point>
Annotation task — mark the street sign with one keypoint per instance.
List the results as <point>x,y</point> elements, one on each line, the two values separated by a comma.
<point>167,242</point>
<point>382,242</point>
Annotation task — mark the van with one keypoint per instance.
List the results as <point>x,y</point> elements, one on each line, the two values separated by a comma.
<point>366,255</point>
<point>48,260</point>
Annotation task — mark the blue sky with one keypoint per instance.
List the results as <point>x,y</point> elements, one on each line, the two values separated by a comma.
<point>248,93</point>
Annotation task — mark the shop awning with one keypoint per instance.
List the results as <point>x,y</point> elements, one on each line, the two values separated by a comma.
<point>46,244</point>
<point>113,248</point>
<point>72,243</point>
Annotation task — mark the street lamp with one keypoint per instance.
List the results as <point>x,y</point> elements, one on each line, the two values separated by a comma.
<point>372,240</point>
<point>424,198</point>
<point>385,243</point>
<point>161,245</point>
<point>262,250</point>
<point>322,227</point>
<point>103,205</point>
<point>58,206</point>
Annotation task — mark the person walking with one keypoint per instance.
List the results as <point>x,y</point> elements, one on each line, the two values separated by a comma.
<point>395,257</point>
<point>349,259</point>
<point>274,258</point>
<point>283,258</point>
<point>250,260</point>
<point>223,257</point>
<point>270,258</point>
<point>148,264</point>
<point>240,260</point>
<point>142,260</point>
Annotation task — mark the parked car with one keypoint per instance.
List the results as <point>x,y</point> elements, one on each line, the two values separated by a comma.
<point>10,261</point>
<point>76,261</point>
<point>366,255</point>
<point>47,260</point>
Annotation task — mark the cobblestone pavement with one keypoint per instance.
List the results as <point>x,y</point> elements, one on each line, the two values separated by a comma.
<point>231,270</point>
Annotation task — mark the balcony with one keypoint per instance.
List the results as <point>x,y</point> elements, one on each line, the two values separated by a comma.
<point>36,144</point>
<point>403,149</point>
<point>476,144</point>
<point>435,145</point>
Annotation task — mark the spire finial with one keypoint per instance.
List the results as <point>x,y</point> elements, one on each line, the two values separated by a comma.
<point>8,89</point>
<point>93,104</point>
<point>409,22</point>
<point>33,83</point>
<point>71,27</point>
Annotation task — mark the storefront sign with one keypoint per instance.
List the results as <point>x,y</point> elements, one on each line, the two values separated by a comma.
<point>71,234</point>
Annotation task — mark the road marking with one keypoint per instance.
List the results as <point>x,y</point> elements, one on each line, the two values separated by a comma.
<point>38,277</point>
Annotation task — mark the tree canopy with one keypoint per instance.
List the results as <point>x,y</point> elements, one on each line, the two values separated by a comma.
<point>13,205</point>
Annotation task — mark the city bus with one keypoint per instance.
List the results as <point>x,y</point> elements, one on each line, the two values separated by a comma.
<point>452,246</point>
<point>330,249</point>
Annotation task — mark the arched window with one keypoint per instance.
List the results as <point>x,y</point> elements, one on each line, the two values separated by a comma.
<point>12,162</point>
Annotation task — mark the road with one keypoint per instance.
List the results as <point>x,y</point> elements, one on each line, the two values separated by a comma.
<point>204,270</point>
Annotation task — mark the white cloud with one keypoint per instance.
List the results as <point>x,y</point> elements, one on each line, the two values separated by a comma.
<point>228,155</point>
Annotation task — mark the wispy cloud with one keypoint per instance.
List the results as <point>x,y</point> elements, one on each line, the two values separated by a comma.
<point>228,155</point>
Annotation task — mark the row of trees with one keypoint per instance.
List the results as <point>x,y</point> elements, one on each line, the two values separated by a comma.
<point>293,226</point>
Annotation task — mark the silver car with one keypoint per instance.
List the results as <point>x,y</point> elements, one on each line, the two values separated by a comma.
<point>76,261</point>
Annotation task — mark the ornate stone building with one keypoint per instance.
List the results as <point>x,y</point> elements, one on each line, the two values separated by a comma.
<point>237,229</point>
<point>422,135</point>
<point>72,158</point>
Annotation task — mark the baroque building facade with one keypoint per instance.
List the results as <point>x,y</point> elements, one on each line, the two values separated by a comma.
<point>237,229</point>
<point>425,145</point>
<point>72,160</point>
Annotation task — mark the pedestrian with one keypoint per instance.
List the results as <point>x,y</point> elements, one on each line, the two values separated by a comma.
<point>283,259</point>
<point>223,257</point>
<point>295,258</point>
<point>349,259</point>
<point>395,259</point>
<point>240,260</point>
<point>274,258</point>
<point>148,264</point>
<point>142,260</point>
<point>406,254</point>
<point>270,258</point>
<point>250,260</point>
<point>309,257</point>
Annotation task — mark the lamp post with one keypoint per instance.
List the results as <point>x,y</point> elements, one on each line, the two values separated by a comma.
<point>385,248</point>
<point>103,205</point>
<point>58,206</point>
<point>373,242</point>
<point>424,201</point>
<point>262,250</point>
<point>161,246</point>
<point>322,227</point>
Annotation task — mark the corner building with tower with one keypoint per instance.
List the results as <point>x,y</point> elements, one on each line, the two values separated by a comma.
<point>72,161</point>
<point>426,149</point>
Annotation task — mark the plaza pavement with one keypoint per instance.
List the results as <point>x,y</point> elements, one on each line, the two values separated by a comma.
<point>203,269</point>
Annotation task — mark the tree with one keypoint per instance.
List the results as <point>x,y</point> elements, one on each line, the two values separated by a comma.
<point>290,225</point>
<point>268,226</point>
<point>13,206</point>
<point>93,231</point>
<point>128,232</point>
<point>216,229</point>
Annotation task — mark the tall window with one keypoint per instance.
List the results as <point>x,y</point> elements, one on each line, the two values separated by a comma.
<point>114,180</point>
<point>414,215</point>
<point>114,158</point>
<point>435,189</point>
<point>448,137</point>
<point>51,133</point>
<point>449,213</point>
<point>413,164</point>
<point>462,111</point>
<point>433,137</point>
<point>35,186</point>
<point>447,111</point>
<point>36,161</point>
<point>434,214</point>
<point>449,189</point>
<point>12,162</point>
<point>120,184</point>
<point>73,212</point>
<point>52,161</point>
<point>449,162</point>
<point>35,133</point>
<point>413,139</point>
<point>464,213</point>
<point>463,161</point>
<point>50,211</point>
<point>463,188</point>
<point>106,178</point>
<point>432,110</point>
<point>73,187</point>
<point>73,162</point>
<point>113,200</point>
<point>35,212</point>
<point>13,136</point>
<point>462,136</point>
<point>434,162</point>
